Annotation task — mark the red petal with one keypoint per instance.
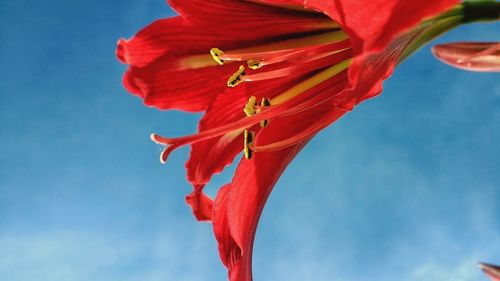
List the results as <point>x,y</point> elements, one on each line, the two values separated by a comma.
<point>492,271</point>
<point>244,20</point>
<point>368,71</point>
<point>211,156</point>
<point>296,128</point>
<point>229,251</point>
<point>473,56</point>
<point>371,25</point>
<point>172,37</point>
<point>165,87</point>
<point>238,206</point>
<point>200,203</point>
<point>158,53</point>
<point>158,71</point>
<point>243,26</point>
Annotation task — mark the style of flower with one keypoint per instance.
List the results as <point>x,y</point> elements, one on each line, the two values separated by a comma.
<point>492,271</point>
<point>268,76</point>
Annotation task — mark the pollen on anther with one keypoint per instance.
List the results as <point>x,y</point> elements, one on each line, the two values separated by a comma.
<point>216,54</point>
<point>248,137</point>
<point>249,108</point>
<point>235,79</point>
<point>254,64</point>
<point>263,103</point>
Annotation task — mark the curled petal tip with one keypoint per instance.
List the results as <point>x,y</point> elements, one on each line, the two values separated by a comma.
<point>121,50</point>
<point>472,56</point>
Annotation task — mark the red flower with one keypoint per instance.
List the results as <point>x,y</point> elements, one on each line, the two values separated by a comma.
<point>492,271</point>
<point>294,67</point>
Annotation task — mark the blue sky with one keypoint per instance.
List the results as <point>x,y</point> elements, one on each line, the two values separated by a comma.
<point>406,187</point>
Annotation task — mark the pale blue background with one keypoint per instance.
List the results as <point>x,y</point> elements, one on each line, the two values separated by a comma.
<point>406,187</point>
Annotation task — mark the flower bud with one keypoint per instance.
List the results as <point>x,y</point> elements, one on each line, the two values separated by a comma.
<point>472,56</point>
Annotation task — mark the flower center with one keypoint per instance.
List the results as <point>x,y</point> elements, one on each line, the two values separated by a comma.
<point>304,55</point>
<point>318,57</point>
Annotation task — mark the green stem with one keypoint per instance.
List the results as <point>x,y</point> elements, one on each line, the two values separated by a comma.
<point>464,13</point>
<point>431,32</point>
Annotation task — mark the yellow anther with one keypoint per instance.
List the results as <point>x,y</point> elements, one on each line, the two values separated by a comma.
<point>216,53</point>
<point>263,123</point>
<point>235,79</point>
<point>263,103</point>
<point>254,64</point>
<point>250,106</point>
<point>248,140</point>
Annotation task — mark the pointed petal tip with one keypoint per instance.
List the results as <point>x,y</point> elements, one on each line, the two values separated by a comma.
<point>200,204</point>
<point>130,83</point>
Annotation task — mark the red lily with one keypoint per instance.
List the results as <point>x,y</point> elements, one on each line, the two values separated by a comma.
<point>308,63</point>
<point>492,271</point>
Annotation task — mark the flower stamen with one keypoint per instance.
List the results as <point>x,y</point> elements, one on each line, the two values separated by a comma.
<point>254,64</point>
<point>301,54</point>
<point>249,108</point>
<point>235,79</point>
<point>311,82</point>
<point>271,50</point>
<point>216,54</point>
<point>285,143</point>
<point>305,66</point>
<point>265,102</point>
<point>279,106</point>
<point>248,140</point>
